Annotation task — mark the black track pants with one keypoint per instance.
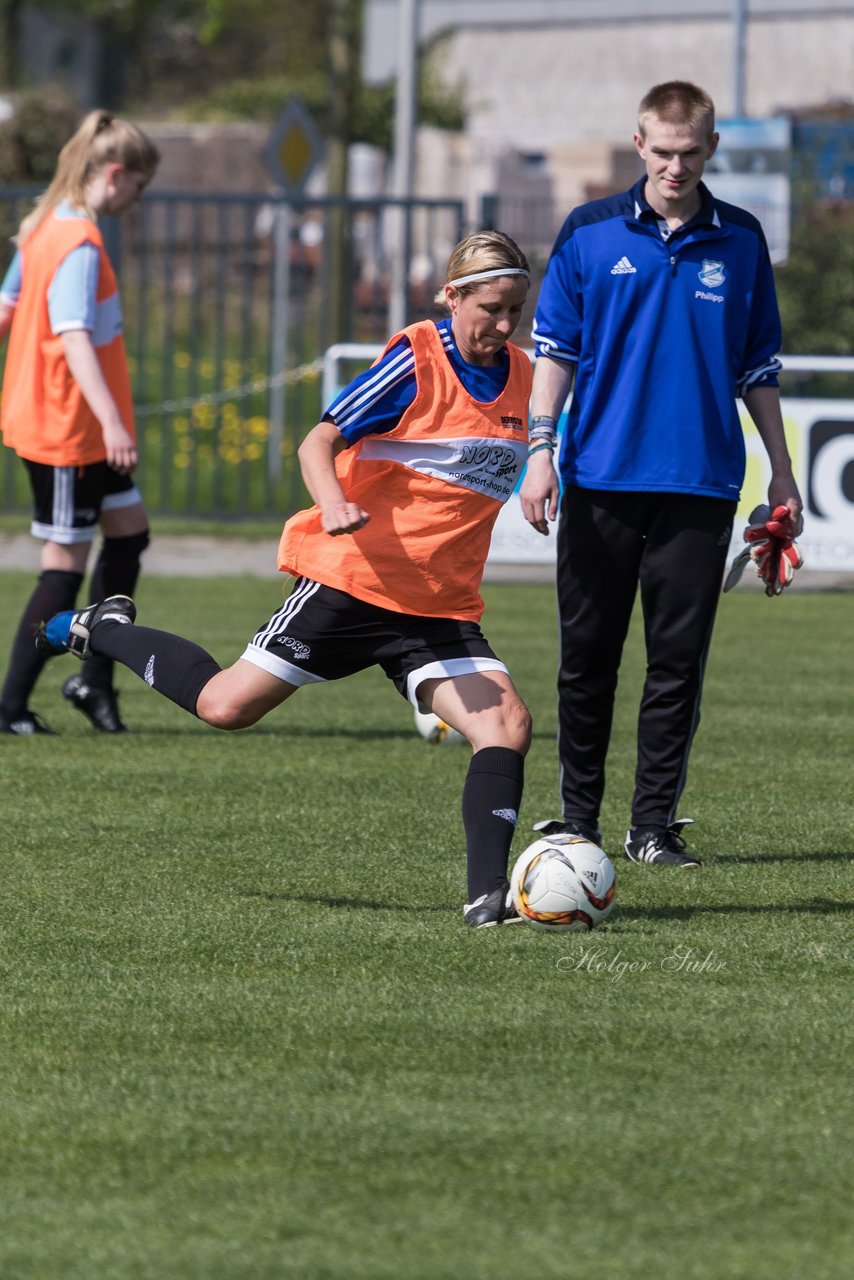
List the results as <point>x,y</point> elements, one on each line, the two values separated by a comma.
<point>675,547</point>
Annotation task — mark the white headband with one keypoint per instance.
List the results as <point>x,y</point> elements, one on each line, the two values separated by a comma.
<point>488,275</point>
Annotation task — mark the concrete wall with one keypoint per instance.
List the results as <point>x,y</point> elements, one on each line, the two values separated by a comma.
<point>572,91</point>
<point>221,157</point>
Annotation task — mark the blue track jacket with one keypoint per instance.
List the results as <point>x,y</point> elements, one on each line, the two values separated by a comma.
<point>665,334</point>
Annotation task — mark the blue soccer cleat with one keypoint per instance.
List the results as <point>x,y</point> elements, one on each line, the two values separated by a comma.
<point>71,632</point>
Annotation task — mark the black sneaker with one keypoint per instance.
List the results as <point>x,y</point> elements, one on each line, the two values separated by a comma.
<point>662,846</point>
<point>491,909</point>
<point>71,632</point>
<point>28,722</point>
<point>100,706</point>
<point>568,827</point>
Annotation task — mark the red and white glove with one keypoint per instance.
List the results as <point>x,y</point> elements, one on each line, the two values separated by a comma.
<point>770,536</point>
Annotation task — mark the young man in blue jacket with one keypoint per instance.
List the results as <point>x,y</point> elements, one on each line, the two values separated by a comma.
<point>660,303</point>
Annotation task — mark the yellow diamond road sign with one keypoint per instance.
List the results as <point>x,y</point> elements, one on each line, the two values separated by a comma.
<point>294,148</point>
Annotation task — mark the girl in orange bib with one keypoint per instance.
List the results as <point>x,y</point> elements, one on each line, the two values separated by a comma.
<point>66,404</point>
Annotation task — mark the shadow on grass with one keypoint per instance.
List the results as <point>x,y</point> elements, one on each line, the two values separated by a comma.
<point>759,859</point>
<point>267,730</point>
<point>359,904</point>
<point>814,906</point>
<point>354,732</point>
<point>811,906</point>
<point>275,727</point>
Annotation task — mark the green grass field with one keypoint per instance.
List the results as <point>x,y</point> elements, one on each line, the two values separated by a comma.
<point>246,1036</point>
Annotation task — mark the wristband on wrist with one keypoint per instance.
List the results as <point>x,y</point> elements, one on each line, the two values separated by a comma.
<point>543,428</point>
<point>538,448</point>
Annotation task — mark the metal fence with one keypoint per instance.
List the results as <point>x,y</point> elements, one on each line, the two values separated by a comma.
<point>229,304</point>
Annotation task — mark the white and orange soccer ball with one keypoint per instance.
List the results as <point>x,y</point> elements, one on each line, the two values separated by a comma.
<point>563,883</point>
<point>435,730</point>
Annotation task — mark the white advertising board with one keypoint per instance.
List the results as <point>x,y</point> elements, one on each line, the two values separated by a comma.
<point>820,435</point>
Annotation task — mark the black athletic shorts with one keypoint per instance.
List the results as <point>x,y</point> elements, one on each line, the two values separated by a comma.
<point>68,501</point>
<point>322,634</point>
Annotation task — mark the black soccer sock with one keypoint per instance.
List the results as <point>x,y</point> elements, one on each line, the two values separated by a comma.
<point>115,573</point>
<point>491,798</point>
<point>175,667</point>
<point>56,590</point>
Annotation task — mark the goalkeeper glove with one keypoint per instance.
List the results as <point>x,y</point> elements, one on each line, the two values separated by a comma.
<point>772,548</point>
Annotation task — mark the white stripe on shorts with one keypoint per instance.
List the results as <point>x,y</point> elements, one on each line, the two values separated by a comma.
<point>279,667</point>
<point>116,501</point>
<point>277,625</point>
<point>62,534</point>
<point>451,667</point>
<point>62,510</point>
<point>258,652</point>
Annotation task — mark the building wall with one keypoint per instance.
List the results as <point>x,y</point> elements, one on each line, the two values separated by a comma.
<point>572,91</point>
<point>216,157</point>
<point>61,48</point>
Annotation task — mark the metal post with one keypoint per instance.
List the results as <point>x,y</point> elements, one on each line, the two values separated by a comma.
<point>489,211</point>
<point>279,335</point>
<point>341,58</point>
<point>739,31</point>
<point>404,159</point>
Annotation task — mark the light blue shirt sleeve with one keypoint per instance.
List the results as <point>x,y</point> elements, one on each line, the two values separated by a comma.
<point>10,289</point>
<point>73,293</point>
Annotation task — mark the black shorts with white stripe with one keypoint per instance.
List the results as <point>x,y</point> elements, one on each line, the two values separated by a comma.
<point>68,501</point>
<point>322,634</point>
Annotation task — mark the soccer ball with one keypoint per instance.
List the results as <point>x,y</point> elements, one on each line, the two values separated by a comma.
<point>436,730</point>
<point>563,883</point>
